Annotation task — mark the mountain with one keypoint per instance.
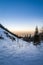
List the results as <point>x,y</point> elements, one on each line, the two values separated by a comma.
<point>1,26</point>
<point>15,51</point>
<point>7,36</point>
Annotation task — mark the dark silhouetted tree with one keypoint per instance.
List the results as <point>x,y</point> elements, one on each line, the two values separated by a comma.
<point>41,35</point>
<point>36,36</point>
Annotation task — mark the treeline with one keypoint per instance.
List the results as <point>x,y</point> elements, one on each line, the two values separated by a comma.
<point>1,26</point>
<point>36,38</point>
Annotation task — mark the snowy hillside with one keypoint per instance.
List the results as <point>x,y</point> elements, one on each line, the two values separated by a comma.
<point>15,51</point>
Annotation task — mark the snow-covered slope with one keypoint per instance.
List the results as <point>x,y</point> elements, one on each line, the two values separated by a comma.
<point>7,38</point>
<point>6,35</point>
<point>17,51</point>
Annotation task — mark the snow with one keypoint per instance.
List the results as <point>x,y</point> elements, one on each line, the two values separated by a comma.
<point>19,52</point>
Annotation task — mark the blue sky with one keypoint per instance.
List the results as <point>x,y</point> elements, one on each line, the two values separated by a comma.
<point>21,15</point>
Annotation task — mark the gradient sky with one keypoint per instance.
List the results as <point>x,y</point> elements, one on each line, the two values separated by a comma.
<point>21,15</point>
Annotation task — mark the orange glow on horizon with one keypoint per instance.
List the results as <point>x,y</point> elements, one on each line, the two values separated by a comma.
<point>22,32</point>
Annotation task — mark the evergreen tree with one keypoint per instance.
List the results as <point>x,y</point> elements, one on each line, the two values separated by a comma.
<point>42,34</point>
<point>36,36</point>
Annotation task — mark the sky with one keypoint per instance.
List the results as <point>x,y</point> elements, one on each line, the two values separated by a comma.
<point>21,15</point>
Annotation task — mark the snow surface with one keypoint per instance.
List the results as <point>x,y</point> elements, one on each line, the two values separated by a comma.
<point>19,52</point>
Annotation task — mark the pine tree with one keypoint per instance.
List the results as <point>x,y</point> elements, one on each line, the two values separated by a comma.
<point>42,34</point>
<point>36,36</point>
